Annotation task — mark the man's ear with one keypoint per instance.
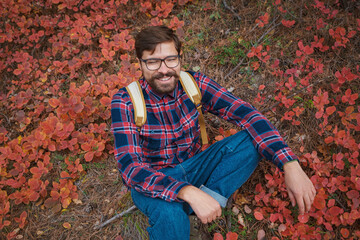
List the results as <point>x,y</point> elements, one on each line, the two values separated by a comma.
<point>140,64</point>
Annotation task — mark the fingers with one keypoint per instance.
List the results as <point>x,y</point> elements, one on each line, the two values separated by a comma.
<point>308,203</point>
<point>211,217</point>
<point>292,198</point>
<point>304,201</point>
<point>301,205</point>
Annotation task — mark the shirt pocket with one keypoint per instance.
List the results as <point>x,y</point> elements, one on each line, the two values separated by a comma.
<point>152,140</point>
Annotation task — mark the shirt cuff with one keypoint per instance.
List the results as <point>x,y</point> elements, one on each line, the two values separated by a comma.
<point>283,156</point>
<point>170,194</point>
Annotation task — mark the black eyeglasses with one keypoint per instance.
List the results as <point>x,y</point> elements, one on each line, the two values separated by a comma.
<point>155,63</point>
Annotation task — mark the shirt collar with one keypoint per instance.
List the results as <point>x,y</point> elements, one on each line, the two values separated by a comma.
<point>155,96</point>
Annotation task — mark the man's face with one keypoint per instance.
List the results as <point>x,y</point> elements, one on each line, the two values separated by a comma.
<point>164,79</point>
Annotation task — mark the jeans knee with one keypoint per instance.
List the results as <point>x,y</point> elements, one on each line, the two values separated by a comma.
<point>169,223</point>
<point>170,216</point>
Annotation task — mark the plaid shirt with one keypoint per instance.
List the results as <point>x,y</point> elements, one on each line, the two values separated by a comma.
<point>171,134</point>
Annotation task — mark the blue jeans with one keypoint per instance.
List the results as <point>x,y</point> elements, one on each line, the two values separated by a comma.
<point>219,171</point>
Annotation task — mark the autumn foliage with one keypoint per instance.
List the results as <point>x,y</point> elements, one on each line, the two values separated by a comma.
<point>62,60</point>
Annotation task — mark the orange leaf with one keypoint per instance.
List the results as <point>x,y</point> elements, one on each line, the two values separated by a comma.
<point>219,138</point>
<point>345,232</point>
<point>330,110</point>
<point>89,156</point>
<point>65,202</point>
<point>66,225</point>
<point>106,101</point>
<point>54,102</point>
<point>22,219</point>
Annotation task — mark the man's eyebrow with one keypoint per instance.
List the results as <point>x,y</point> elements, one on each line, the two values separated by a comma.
<point>161,58</point>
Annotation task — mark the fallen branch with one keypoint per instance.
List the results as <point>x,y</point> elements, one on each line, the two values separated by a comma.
<point>231,10</point>
<point>130,209</point>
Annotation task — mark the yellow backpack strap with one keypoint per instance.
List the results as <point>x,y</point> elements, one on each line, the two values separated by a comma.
<point>137,99</point>
<point>192,90</point>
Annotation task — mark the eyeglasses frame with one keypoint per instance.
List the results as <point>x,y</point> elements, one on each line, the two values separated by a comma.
<point>162,61</point>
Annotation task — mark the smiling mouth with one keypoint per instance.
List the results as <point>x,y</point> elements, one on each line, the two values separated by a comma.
<point>164,79</point>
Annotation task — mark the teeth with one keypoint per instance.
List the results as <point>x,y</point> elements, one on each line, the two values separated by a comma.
<point>164,79</point>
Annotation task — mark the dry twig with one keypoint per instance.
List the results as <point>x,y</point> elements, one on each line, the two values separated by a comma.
<point>130,209</point>
<point>231,10</point>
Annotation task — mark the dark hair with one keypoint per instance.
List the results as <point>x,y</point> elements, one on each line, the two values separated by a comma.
<point>148,38</point>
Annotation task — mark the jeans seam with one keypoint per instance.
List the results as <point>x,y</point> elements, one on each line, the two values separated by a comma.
<point>184,172</point>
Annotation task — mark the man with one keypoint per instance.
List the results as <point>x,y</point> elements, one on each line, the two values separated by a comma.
<point>162,161</point>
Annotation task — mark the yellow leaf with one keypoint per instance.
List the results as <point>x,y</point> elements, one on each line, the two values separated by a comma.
<point>77,201</point>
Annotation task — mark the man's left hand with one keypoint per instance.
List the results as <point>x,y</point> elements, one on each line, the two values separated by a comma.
<point>301,190</point>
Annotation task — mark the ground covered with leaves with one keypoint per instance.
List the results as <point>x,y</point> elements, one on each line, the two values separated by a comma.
<point>62,60</point>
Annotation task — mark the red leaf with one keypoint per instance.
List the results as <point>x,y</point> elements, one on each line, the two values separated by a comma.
<point>52,146</point>
<point>351,34</point>
<point>319,202</point>
<point>119,238</point>
<point>218,236</point>
<point>288,23</point>
<point>335,211</point>
<point>231,236</point>
<point>258,216</point>
<point>261,87</point>
<point>17,71</point>
<point>352,194</point>
<point>263,20</point>
<point>78,107</point>
<point>304,218</point>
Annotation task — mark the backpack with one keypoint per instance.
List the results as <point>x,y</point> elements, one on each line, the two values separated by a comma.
<point>192,90</point>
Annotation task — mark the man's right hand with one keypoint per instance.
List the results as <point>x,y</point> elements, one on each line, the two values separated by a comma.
<point>206,208</point>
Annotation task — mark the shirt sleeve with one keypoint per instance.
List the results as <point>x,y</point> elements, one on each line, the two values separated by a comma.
<point>266,138</point>
<point>135,171</point>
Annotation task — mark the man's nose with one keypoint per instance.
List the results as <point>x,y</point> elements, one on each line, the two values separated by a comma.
<point>163,68</point>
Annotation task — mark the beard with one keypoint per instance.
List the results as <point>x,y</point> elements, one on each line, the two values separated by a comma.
<point>161,87</point>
